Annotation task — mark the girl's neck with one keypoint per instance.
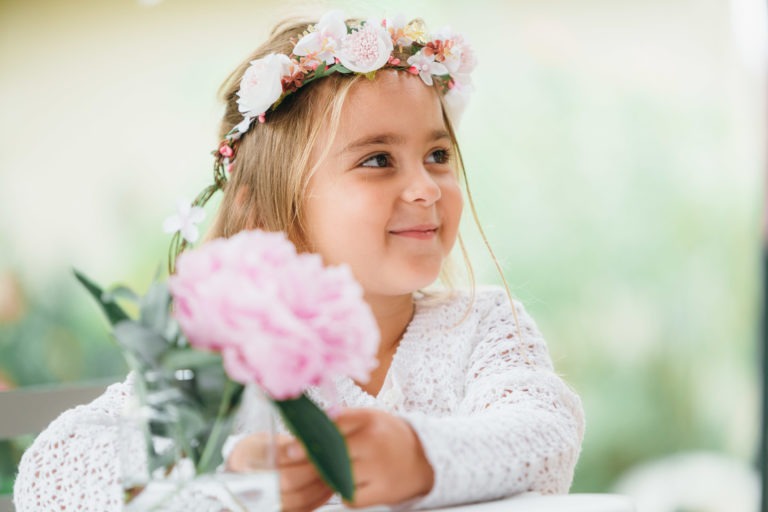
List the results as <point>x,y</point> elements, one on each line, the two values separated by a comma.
<point>393,314</point>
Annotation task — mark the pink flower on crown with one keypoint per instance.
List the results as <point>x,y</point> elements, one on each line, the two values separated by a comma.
<point>426,66</point>
<point>279,318</point>
<point>262,85</point>
<point>366,49</point>
<point>322,44</point>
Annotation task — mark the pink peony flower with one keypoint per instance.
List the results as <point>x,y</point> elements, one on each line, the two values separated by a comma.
<point>279,318</point>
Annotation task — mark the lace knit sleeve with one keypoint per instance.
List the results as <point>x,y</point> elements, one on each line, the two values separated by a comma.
<point>73,464</point>
<point>518,427</point>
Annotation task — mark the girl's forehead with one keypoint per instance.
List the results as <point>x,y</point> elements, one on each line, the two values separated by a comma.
<point>390,85</point>
<point>394,99</point>
<point>394,108</point>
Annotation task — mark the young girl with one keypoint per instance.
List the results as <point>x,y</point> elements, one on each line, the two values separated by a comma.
<point>341,135</point>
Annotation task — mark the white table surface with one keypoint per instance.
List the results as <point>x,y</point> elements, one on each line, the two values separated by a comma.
<point>531,502</point>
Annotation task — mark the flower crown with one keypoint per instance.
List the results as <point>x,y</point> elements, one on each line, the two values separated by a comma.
<point>333,45</point>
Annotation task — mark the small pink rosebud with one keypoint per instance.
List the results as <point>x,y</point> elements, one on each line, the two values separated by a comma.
<point>394,61</point>
<point>262,119</point>
<point>451,84</point>
<point>226,151</point>
<point>413,70</point>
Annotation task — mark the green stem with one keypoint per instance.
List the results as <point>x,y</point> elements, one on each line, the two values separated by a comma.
<point>212,443</point>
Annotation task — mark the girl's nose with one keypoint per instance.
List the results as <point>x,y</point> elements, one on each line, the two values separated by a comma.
<point>421,187</point>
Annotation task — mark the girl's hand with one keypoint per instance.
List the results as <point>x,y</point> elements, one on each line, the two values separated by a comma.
<point>301,488</point>
<point>388,461</point>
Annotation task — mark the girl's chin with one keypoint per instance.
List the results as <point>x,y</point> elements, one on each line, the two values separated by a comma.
<point>405,285</point>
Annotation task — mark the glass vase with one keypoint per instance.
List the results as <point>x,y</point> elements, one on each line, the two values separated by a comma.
<point>173,455</point>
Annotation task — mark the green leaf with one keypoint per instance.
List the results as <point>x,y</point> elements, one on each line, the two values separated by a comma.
<point>322,441</point>
<point>154,307</point>
<point>320,71</point>
<point>160,401</point>
<point>192,424</point>
<point>120,292</point>
<point>338,68</point>
<point>210,383</point>
<point>147,345</point>
<point>189,359</point>
<point>164,459</point>
<point>114,313</point>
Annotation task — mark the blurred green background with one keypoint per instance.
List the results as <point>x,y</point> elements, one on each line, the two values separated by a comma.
<point>615,150</point>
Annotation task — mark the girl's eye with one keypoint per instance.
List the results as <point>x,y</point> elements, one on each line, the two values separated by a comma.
<point>380,160</point>
<point>439,156</point>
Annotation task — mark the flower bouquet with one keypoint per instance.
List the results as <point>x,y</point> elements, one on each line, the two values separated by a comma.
<point>247,310</point>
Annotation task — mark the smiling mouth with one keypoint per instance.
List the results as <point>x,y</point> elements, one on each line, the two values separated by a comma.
<point>417,232</point>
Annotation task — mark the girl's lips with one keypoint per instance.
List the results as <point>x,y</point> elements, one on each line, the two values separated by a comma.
<point>417,232</point>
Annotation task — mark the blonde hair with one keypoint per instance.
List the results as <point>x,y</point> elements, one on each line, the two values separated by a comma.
<point>269,175</point>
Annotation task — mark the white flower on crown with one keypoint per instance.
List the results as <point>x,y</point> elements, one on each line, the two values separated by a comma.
<point>457,97</point>
<point>323,44</point>
<point>426,66</point>
<point>262,84</point>
<point>361,49</point>
<point>452,49</point>
<point>366,49</point>
<point>459,57</point>
<point>185,221</point>
<point>468,58</point>
<point>398,29</point>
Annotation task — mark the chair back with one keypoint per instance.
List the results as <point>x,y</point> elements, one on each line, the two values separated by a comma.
<point>29,410</point>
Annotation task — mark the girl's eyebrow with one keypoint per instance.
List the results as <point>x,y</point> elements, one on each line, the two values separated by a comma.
<point>389,139</point>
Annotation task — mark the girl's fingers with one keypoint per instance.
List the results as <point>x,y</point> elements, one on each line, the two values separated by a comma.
<point>364,472</point>
<point>361,446</point>
<point>290,453</point>
<point>308,498</point>
<point>296,477</point>
<point>250,453</point>
<point>350,421</point>
<point>365,496</point>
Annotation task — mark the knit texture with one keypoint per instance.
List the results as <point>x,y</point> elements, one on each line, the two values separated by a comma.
<point>478,388</point>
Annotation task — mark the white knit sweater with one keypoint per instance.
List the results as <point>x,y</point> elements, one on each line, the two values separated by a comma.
<point>480,391</point>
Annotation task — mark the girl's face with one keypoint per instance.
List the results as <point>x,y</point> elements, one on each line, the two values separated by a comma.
<point>386,199</point>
